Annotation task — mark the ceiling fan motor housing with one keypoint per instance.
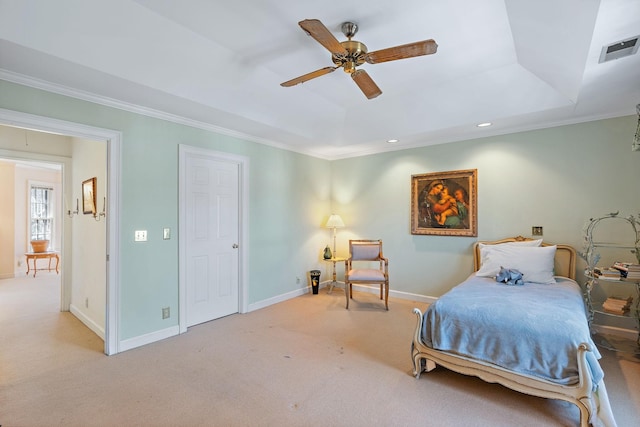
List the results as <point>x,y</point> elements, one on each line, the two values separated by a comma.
<point>350,54</point>
<point>356,52</point>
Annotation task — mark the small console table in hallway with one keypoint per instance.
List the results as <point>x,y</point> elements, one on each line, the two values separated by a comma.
<point>37,255</point>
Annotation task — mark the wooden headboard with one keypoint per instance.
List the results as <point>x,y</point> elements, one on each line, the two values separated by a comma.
<point>565,260</point>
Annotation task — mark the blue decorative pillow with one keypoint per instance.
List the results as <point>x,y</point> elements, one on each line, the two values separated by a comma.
<point>510,276</point>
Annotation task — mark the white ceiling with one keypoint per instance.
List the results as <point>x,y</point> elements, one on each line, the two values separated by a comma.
<point>218,64</point>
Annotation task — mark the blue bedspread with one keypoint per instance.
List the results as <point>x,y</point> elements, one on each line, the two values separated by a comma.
<point>533,329</point>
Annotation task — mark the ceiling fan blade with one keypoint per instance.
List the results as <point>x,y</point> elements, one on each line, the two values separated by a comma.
<point>424,47</point>
<point>318,31</point>
<point>308,76</point>
<point>366,84</point>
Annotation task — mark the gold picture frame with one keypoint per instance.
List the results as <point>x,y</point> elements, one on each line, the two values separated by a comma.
<point>445,203</point>
<point>89,196</point>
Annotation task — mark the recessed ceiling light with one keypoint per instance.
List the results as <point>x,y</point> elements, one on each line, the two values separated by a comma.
<point>392,141</point>
<point>484,125</point>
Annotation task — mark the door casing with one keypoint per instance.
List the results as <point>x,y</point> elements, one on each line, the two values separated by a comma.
<point>243,186</point>
<point>113,140</point>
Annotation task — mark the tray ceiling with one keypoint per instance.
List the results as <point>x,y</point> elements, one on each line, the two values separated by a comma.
<point>518,64</point>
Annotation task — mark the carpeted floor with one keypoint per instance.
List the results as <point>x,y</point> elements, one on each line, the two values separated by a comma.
<point>303,362</point>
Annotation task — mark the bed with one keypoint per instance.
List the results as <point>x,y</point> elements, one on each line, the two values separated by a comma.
<point>532,337</point>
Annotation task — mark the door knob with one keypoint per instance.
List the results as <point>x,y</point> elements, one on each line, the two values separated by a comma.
<point>235,246</point>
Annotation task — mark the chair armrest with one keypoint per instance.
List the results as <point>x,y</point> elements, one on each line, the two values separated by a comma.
<point>386,265</point>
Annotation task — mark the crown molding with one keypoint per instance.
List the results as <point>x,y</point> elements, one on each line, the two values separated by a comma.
<point>35,83</point>
<point>47,86</point>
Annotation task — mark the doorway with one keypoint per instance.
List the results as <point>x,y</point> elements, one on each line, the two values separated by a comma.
<point>113,140</point>
<point>213,194</point>
<point>30,200</point>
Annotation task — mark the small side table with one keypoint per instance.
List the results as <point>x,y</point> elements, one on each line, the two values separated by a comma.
<point>333,261</point>
<point>37,255</point>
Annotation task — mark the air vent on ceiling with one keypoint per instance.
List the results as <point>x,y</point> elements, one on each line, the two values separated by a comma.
<point>619,49</point>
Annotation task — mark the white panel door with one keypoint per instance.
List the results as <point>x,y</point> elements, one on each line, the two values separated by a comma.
<point>212,211</point>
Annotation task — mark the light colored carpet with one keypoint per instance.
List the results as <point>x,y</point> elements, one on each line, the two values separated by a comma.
<point>303,362</point>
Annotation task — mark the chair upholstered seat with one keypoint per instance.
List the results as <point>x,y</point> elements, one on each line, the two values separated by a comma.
<point>363,256</point>
<point>366,274</point>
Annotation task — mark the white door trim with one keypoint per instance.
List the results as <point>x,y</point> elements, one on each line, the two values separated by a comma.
<point>113,139</point>
<point>243,198</point>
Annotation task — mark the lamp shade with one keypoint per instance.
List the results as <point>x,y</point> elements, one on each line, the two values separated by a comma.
<point>335,222</point>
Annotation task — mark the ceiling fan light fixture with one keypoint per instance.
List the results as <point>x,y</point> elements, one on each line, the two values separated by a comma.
<point>349,67</point>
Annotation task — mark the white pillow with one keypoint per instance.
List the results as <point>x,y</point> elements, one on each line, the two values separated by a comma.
<point>535,263</point>
<point>486,248</point>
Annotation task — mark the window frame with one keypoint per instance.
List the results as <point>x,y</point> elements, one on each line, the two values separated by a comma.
<point>49,219</point>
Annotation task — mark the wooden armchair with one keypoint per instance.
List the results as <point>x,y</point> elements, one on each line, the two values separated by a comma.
<point>366,252</point>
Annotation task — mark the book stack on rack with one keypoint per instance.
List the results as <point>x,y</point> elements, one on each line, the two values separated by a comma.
<point>617,305</point>
<point>628,270</point>
<point>607,273</point>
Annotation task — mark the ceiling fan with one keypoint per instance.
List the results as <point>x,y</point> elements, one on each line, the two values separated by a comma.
<point>349,54</point>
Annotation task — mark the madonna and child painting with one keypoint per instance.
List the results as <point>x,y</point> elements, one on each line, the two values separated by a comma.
<point>444,203</point>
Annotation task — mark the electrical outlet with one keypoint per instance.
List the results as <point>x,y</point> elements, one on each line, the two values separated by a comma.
<point>166,233</point>
<point>536,231</point>
<point>140,235</point>
<point>166,313</point>
<point>297,280</point>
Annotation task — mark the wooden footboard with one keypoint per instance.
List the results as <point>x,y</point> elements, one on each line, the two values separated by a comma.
<point>591,404</point>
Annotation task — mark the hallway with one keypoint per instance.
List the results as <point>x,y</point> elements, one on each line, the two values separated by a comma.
<point>33,331</point>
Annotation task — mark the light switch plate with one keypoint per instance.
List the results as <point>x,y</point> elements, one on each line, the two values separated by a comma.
<point>140,236</point>
<point>166,233</point>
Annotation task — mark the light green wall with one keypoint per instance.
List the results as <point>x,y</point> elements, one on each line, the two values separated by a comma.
<point>289,198</point>
<point>557,178</point>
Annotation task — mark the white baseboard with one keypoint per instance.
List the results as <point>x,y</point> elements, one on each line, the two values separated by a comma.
<point>413,297</point>
<point>629,334</point>
<point>359,288</point>
<point>149,338</point>
<point>396,294</point>
<point>99,331</point>
<point>279,298</point>
<point>141,340</point>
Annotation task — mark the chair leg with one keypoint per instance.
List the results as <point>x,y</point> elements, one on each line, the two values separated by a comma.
<point>347,288</point>
<point>386,296</point>
<point>381,284</point>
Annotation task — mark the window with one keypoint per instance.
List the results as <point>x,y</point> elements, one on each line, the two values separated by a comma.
<point>41,214</point>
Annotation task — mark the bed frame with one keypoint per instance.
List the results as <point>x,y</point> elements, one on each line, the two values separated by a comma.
<point>591,403</point>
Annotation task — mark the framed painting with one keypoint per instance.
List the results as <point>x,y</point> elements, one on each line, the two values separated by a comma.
<point>445,203</point>
<point>89,196</point>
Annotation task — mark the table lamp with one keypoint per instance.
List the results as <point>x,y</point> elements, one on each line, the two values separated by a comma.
<point>334,222</point>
